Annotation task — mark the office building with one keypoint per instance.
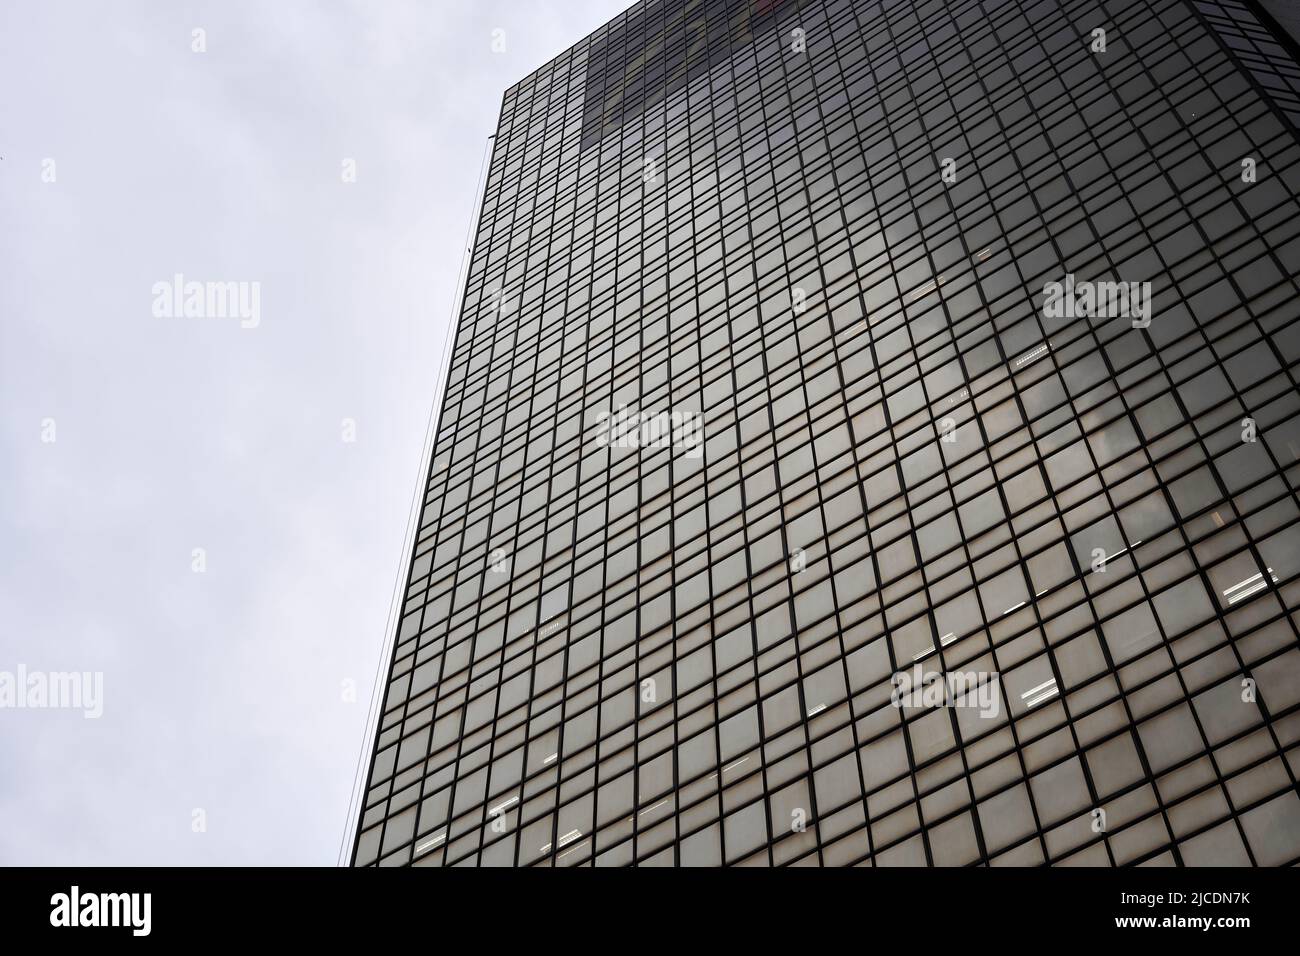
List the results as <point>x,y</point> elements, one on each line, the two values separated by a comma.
<point>871,438</point>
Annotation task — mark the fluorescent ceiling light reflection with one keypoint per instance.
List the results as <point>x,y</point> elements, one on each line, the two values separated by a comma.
<point>430,844</point>
<point>1244,589</point>
<point>1036,695</point>
<point>1036,353</point>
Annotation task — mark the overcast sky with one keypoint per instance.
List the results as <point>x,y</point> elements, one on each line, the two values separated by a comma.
<point>179,508</point>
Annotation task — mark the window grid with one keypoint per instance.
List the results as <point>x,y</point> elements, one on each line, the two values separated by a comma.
<point>921,296</point>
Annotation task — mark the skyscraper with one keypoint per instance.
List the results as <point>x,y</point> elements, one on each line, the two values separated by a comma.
<point>871,437</point>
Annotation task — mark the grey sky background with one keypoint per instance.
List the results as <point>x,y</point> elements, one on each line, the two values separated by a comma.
<point>223,689</point>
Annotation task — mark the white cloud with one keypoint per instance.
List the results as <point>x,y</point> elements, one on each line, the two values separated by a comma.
<point>222,689</point>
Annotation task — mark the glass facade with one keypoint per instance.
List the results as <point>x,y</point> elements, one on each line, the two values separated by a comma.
<point>871,438</point>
